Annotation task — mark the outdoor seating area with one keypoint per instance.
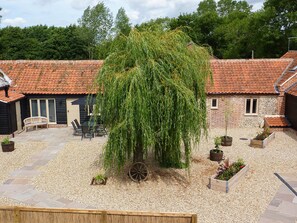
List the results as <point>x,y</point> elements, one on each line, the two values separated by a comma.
<point>88,129</point>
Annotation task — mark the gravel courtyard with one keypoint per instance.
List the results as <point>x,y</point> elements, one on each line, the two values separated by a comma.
<point>170,190</point>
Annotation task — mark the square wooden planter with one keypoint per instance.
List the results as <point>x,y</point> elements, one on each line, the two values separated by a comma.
<point>226,186</point>
<point>262,143</point>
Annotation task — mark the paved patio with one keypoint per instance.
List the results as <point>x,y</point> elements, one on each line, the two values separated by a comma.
<point>18,185</point>
<point>283,207</point>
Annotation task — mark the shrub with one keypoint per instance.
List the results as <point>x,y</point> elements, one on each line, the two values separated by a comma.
<point>225,172</point>
<point>6,141</point>
<point>264,134</point>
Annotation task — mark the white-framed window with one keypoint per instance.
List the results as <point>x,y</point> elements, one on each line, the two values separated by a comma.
<point>214,103</point>
<point>251,106</point>
<point>90,110</point>
<point>45,107</point>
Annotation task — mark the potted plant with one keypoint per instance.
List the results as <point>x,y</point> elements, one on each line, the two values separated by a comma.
<point>7,145</point>
<point>227,140</point>
<point>100,179</point>
<point>262,138</point>
<point>216,154</point>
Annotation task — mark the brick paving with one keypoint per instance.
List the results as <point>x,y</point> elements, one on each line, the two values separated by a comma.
<point>283,207</point>
<point>18,185</point>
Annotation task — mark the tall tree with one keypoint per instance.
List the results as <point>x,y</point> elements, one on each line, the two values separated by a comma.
<point>122,24</point>
<point>98,21</point>
<point>154,97</point>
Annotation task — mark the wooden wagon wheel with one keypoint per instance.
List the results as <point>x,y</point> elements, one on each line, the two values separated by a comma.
<point>138,172</point>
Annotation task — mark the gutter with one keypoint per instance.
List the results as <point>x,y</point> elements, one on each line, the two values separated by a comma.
<point>278,80</point>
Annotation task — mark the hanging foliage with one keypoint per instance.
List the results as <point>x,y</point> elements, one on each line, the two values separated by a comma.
<point>154,97</point>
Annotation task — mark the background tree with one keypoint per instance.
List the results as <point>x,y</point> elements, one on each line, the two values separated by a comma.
<point>154,97</point>
<point>97,22</point>
<point>122,23</point>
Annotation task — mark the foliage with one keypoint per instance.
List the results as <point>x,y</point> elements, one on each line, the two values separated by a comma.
<point>100,177</point>
<point>226,171</point>
<point>264,134</point>
<point>217,141</point>
<point>122,24</point>
<point>98,21</point>
<point>6,141</point>
<point>42,42</point>
<point>154,97</point>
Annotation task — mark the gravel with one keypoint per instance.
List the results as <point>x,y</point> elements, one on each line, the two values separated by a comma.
<point>171,190</point>
<point>10,161</point>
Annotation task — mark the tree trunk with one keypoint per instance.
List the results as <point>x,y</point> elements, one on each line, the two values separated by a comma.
<point>138,152</point>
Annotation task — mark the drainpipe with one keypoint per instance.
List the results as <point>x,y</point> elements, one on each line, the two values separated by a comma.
<point>6,91</point>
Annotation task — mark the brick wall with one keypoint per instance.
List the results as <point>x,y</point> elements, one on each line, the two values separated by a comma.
<point>267,105</point>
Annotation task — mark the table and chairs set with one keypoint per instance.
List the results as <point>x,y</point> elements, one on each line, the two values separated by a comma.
<point>88,129</point>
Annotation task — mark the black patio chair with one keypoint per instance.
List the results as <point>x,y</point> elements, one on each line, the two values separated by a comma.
<point>77,124</point>
<point>77,131</point>
<point>101,130</point>
<point>86,132</point>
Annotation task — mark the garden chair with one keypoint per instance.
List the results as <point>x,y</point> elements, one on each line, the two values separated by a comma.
<point>77,124</point>
<point>101,130</point>
<point>86,132</point>
<point>76,130</point>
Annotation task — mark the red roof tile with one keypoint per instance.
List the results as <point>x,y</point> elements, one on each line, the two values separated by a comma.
<point>289,55</point>
<point>52,76</point>
<point>12,96</point>
<point>256,76</point>
<point>277,122</point>
<point>293,90</point>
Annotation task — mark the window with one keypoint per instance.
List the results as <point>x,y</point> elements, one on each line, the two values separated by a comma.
<point>90,109</point>
<point>214,103</point>
<point>251,105</point>
<point>43,107</point>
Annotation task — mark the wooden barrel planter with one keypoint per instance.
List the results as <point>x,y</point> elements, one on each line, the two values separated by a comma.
<point>226,141</point>
<point>216,155</point>
<point>8,147</point>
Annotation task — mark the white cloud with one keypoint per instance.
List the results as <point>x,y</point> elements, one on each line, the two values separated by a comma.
<point>81,4</point>
<point>18,21</point>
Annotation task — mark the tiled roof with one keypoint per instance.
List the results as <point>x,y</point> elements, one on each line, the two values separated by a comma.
<point>277,121</point>
<point>12,96</point>
<point>289,78</point>
<point>256,76</point>
<point>293,90</point>
<point>52,77</point>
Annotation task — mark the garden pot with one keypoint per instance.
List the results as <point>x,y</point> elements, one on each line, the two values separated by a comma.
<point>216,155</point>
<point>226,140</point>
<point>8,147</point>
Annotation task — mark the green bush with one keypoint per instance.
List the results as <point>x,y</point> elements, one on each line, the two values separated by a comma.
<point>229,172</point>
<point>6,141</point>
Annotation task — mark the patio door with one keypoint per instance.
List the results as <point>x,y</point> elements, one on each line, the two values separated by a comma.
<point>18,116</point>
<point>72,111</point>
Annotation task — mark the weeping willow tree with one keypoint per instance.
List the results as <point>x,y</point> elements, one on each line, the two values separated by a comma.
<point>154,97</point>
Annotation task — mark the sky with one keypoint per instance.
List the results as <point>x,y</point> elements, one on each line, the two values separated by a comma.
<point>25,13</point>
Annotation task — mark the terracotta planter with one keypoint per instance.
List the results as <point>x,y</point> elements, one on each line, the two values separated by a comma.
<point>8,147</point>
<point>227,185</point>
<point>216,156</point>
<point>262,143</point>
<point>226,140</point>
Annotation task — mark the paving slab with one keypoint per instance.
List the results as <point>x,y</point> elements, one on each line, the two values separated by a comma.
<point>283,207</point>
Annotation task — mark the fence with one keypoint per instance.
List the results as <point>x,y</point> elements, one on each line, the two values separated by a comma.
<point>49,215</point>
